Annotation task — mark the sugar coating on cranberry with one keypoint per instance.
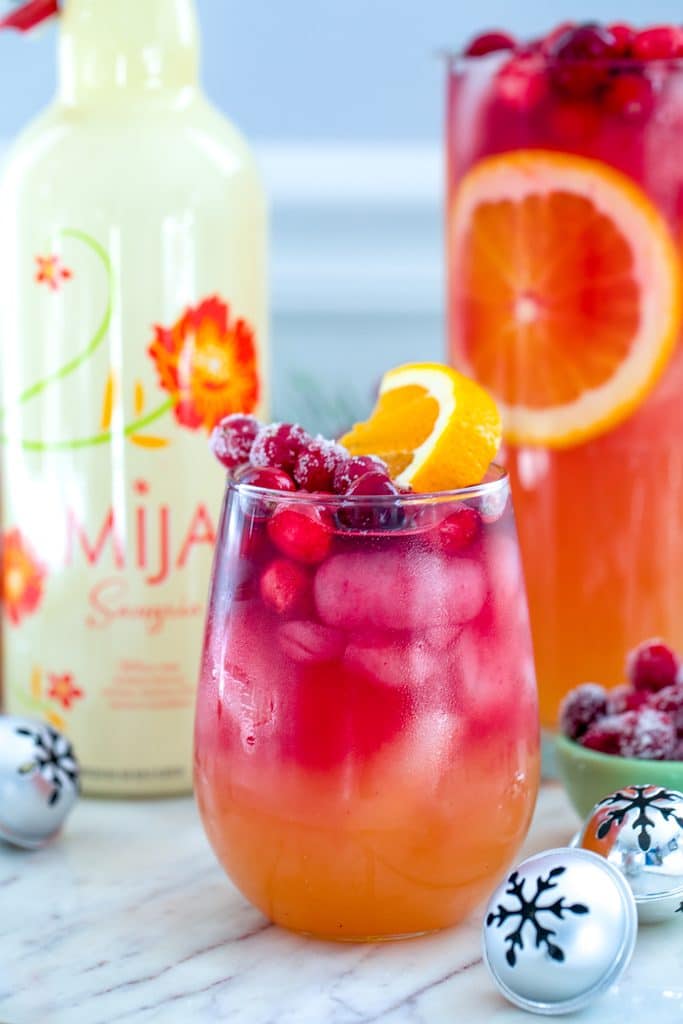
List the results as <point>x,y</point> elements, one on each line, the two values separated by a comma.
<point>317,463</point>
<point>285,586</point>
<point>458,530</point>
<point>604,735</point>
<point>625,698</point>
<point>670,700</point>
<point>232,438</point>
<point>647,734</point>
<point>267,477</point>
<point>301,533</point>
<point>489,42</point>
<point>652,666</point>
<point>278,445</point>
<point>356,466</point>
<point>581,708</point>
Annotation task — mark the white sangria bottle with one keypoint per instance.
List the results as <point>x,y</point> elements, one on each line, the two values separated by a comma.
<point>132,319</point>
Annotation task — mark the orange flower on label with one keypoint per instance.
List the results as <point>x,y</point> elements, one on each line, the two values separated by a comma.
<point>61,687</point>
<point>207,362</point>
<point>52,272</point>
<point>22,577</point>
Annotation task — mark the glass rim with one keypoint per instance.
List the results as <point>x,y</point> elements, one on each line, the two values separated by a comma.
<point>454,58</point>
<point>498,483</point>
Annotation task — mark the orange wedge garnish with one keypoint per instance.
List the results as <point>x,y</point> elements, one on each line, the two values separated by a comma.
<point>566,292</point>
<point>435,428</point>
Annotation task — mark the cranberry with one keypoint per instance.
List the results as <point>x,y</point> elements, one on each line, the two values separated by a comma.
<point>354,467</point>
<point>652,666</point>
<point>603,735</point>
<point>624,36</point>
<point>624,698</point>
<point>301,533</point>
<point>644,734</point>
<point>521,82</point>
<point>232,438</point>
<point>648,734</point>
<point>670,700</point>
<point>580,56</point>
<point>285,586</point>
<point>372,516</point>
<point>278,445</point>
<point>630,95</point>
<point>317,463</point>
<point>457,531</point>
<point>662,42</point>
<point>489,42</point>
<point>268,478</point>
<point>581,708</point>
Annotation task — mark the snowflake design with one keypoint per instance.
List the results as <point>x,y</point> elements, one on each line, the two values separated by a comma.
<point>529,910</point>
<point>641,799</point>
<point>53,758</point>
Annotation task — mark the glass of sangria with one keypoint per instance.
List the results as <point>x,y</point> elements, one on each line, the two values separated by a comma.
<point>564,227</point>
<point>366,746</point>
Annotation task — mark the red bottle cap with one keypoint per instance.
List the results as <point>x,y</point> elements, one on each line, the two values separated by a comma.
<point>30,14</point>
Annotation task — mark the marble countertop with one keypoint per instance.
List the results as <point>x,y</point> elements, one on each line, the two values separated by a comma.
<point>128,917</point>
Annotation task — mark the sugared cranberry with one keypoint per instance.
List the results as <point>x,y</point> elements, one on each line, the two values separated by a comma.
<point>521,82</point>
<point>489,42</point>
<point>581,708</point>
<point>647,734</point>
<point>267,477</point>
<point>644,734</point>
<point>603,735</point>
<point>580,56</point>
<point>457,531</point>
<point>285,586</point>
<point>232,438</point>
<point>652,666</point>
<point>670,700</point>
<point>317,463</point>
<point>301,533</point>
<point>355,467</point>
<point>624,36</point>
<point>661,42</point>
<point>629,95</point>
<point>624,698</point>
<point>278,445</point>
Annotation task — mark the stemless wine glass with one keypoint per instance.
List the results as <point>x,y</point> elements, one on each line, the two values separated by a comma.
<point>366,744</point>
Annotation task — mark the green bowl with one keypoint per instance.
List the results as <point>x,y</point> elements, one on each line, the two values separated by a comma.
<point>589,776</point>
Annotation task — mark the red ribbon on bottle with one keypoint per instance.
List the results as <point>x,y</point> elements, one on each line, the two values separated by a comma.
<point>29,15</point>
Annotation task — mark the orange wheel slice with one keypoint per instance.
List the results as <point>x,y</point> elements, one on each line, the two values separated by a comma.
<point>435,428</point>
<point>566,293</point>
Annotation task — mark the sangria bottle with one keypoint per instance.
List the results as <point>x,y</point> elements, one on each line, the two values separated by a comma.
<point>132,319</point>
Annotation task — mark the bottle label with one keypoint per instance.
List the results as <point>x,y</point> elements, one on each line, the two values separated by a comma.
<point>109,508</point>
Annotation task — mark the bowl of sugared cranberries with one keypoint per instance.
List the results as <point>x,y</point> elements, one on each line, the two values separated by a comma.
<point>629,735</point>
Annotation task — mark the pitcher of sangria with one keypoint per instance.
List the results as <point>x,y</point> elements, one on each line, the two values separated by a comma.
<point>564,228</point>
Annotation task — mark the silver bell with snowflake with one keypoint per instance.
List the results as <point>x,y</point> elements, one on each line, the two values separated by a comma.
<point>559,931</point>
<point>38,781</point>
<point>639,829</point>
